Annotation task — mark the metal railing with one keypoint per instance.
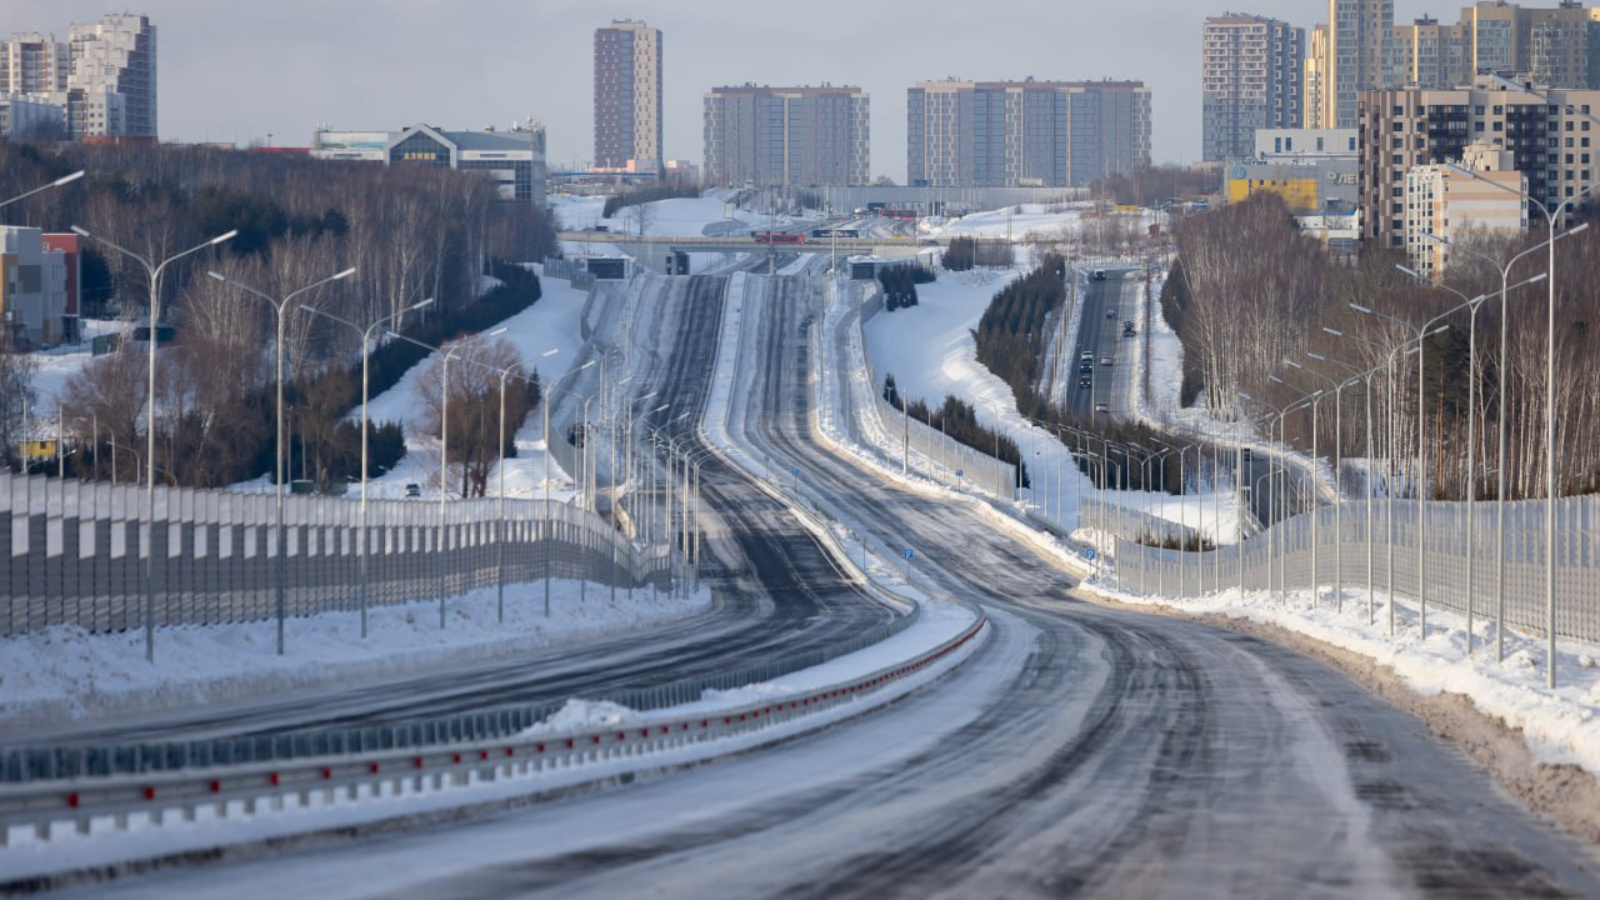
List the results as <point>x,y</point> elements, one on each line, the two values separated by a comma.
<point>267,774</point>
<point>1283,556</point>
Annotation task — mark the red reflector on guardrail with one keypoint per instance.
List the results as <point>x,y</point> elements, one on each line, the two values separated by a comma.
<point>72,800</point>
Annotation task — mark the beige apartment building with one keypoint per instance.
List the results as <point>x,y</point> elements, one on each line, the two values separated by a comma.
<point>1549,133</point>
<point>627,96</point>
<point>1551,45</point>
<point>1444,205</point>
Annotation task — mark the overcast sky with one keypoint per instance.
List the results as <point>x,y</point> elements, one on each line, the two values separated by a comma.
<point>239,70</point>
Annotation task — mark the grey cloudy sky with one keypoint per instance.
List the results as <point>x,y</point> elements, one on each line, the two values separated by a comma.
<point>232,70</point>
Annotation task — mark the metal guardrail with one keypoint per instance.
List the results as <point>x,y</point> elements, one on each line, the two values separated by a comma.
<point>404,762</point>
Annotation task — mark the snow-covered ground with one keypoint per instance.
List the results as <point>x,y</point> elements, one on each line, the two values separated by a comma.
<point>710,215</point>
<point>929,351</point>
<point>1561,725</point>
<point>58,365</point>
<point>65,671</point>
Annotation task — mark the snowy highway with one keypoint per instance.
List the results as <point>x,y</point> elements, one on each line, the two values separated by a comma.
<point>1085,750</point>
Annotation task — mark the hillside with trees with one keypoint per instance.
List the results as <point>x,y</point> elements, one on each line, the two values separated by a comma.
<point>410,232</point>
<point>1251,292</point>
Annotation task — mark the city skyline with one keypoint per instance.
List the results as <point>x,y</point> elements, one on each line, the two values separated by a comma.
<point>358,67</point>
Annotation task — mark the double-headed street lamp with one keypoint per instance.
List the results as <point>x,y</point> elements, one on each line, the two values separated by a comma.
<point>1180,449</point>
<point>279,308</point>
<point>504,373</point>
<point>1393,354</point>
<point>154,270</point>
<point>444,446</point>
<point>1365,377</point>
<point>1422,474</point>
<point>1338,489</point>
<point>366,356</point>
<point>1552,218</point>
<point>1502,429</point>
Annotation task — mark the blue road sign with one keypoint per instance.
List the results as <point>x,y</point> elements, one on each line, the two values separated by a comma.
<point>908,553</point>
<point>1089,554</point>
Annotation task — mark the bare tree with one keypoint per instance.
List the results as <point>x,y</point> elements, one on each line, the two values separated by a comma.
<point>475,367</point>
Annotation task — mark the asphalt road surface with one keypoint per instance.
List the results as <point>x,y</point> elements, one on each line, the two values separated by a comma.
<point>1084,751</point>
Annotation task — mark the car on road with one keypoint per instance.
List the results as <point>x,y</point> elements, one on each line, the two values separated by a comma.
<point>1099,274</point>
<point>1128,330</point>
<point>1087,356</point>
<point>1085,381</point>
<point>1111,313</point>
<point>1105,360</point>
<point>1102,407</point>
<point>413,490</point>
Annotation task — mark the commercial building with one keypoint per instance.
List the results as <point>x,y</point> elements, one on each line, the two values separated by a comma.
<point>33,289</point>
<point>787,136</point>
<point>515,158</point>
<point>102,78</point>
<point>627,96</point>
<point>1025,133</point>
<point>1442,204</point>
<point>1252,70</point>
<point>1549,132</point>
<point>1294,144</point>
<point>1360,35</point>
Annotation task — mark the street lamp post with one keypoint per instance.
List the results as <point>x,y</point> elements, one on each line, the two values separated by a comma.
<point>1552,218</point>
<point>1338,486</point>
<point>1422,476</point>
<point>65,179</point>
<point>1393,354</point>
<point>154,270</point>
<point>1365,377</point>
<point>444,447</point>
<point>279,308</point>
<point>1314,401</point>
<point>366,356</point>
<point>1501,437</point>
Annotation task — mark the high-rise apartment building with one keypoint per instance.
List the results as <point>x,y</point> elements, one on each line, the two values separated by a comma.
<point>1360,32</point>
<point>1317,108</point>
<point>1442,203</point>
<point>1550,45</point>
<point>34,64</point>
<point>1025,133</point>
<point>1252,69</point>
<point>787,136</point>
<point>103,77</point>
<point>1426,54</point>
<point>1550,133</point>
<point>627,96</point>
